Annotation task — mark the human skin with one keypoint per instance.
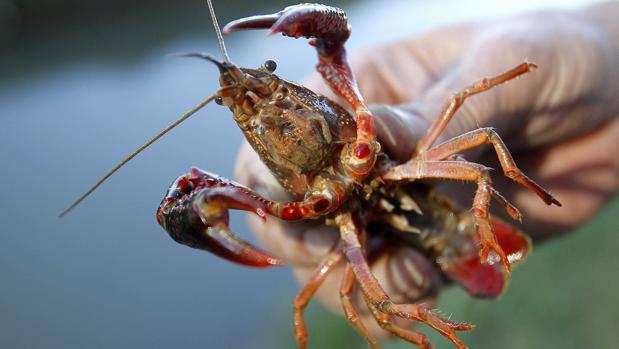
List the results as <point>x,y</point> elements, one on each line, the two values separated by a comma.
<point>560,122</point>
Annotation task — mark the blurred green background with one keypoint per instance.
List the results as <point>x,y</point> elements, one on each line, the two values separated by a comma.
<point>82,83</point>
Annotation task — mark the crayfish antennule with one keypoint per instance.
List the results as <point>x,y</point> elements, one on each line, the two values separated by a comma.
<point>220,39</point>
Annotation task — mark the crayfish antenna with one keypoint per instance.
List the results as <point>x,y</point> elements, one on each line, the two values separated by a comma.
<point>220,65</point>
<point>224,53</point>
<point>220,38</point>
<point>136,152</point>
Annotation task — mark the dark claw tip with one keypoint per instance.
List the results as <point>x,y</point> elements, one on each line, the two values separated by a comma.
<point>253,22</point>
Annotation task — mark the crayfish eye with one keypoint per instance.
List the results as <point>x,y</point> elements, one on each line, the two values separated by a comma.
<point>270,65</point>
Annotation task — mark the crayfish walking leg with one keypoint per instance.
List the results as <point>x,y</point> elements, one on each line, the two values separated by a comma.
<point>424,162</point>
<point>352,315</point>
<point>464,171</point>
<point>457,99</point>
<point>308,291</point>
<point>383,320</point>
<point>489,136</point>
<point>376,296</point>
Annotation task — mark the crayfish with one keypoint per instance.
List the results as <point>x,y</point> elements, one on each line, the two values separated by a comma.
<point>328,157</point>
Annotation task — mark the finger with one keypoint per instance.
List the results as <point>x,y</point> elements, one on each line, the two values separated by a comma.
<point>401,71</point>
<point>571,93</point>
<point>405,274</point>
<point>583,173</point>
<point>577,92</point>
<point>398,130</point>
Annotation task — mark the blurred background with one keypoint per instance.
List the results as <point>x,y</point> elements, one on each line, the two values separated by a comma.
<point>83,83</point>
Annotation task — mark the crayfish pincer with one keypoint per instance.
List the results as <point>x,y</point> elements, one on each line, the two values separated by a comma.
<point>189,217</point>
<point>328,157</point>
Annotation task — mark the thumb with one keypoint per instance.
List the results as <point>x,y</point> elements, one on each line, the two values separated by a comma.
<point>398,129</point>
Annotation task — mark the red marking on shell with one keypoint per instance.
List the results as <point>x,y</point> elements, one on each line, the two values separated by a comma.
<point>362,150</point>
<point>292,213</point>
<point>261,214</point>
<point>182,184</point>
<point>158,215</point>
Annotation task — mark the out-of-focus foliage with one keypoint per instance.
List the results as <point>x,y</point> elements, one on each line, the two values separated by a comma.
<point>20,19</point>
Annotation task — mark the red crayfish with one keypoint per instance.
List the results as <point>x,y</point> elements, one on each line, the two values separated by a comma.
<point>331,161</point>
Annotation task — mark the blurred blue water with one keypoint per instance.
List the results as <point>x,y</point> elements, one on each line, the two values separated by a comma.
<point>107,275</point>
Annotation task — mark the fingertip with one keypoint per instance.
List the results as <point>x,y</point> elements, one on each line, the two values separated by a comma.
<point>406,274</point>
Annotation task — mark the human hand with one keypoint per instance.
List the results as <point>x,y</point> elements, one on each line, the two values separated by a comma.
<point>560,123</point>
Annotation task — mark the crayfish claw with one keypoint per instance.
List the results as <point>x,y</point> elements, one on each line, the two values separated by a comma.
<point>185,228</point>
<point>253,22</point>
<point>226,244</point>
<point>312,20</point>
<point>193,214</point>
<point>303,20</point>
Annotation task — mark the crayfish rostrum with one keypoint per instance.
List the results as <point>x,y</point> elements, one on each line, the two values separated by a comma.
<point>330,160</point>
